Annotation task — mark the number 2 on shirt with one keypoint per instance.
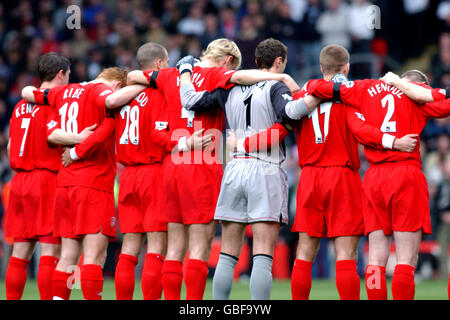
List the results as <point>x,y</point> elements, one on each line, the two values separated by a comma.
<point>387,125</point>
<point>324,108</point>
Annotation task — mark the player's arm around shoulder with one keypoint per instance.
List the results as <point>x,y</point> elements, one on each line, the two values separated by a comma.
<point>123,96</point>
<point>41,96</point>
<point>28,93</point>
<point>299,105</point>
<point>137,77</point>
<point>249,77</point>
<point>420,94</point>
<point>190,98</point>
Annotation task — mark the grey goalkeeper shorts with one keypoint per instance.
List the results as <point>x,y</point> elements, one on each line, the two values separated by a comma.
<point>252,191</point>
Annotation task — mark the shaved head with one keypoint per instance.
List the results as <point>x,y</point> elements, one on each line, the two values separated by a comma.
<point>416,76</point>
<point>148,53</point>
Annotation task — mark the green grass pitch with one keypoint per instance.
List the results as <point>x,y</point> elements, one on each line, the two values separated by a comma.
<point>281,290</point>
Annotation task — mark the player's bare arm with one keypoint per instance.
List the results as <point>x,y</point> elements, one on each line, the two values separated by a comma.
<point>194,142</point>
<point>243,77</point>
<point>232,141</point>
<point>249,77</point>
<point>66,158</point>
<point>28,94</point>
<point>413,91</point>
<point>123,96</point>
<point>136,77</point>
<point>407,143</point>
<point>190,98</point>
<point>60,137</point>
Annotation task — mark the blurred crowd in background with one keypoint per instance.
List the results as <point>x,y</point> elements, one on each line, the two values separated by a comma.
<point>408,34</point>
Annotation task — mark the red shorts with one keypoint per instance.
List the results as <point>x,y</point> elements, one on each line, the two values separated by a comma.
<point>190,191</point>
<point>139,199</point>
<point>329,202</point>
<point>395,198</point>
<point>31,202</point>
<point>83,210</point>
<point>42,239</point>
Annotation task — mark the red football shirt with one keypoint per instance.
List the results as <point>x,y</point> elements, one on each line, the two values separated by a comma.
<point>387,108</point>
<point>142,129</point>
<point>30,125</point>
<point>182,122</point>
<point>329,135</point>
<point>81,105</point>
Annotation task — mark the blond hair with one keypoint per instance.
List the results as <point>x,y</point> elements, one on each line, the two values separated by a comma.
<point>114,74</point>
<point>220,48</point>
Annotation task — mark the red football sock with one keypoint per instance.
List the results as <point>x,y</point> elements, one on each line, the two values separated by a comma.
<point>15,278</point>
<point>92,281</point>
<point>301,279</point>
<point>172,278</point>
<point>47,265</point>
<point>195,279</point>
<point>347,280</point>
<point>376,282</point>
<point>124,276</point>
<point>60,289</point>
<point>151,276</point>
<point>448,287</point>
<point>403,285</point>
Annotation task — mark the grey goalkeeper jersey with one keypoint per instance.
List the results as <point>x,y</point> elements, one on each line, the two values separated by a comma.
<point>248,109</point>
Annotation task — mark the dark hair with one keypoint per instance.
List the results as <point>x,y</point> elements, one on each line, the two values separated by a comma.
<point>333,57</point>
<point>149,52</point>
<point>50,64</point>
<point>416,76</point>
<point>267,51</point>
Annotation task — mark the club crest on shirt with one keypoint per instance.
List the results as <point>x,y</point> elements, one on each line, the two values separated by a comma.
<point>286,97</point>
<point>349,84</point>
<point>339,78</point>
<point>51,124</point>
<point>360,116</point>
<point>160,125</point>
